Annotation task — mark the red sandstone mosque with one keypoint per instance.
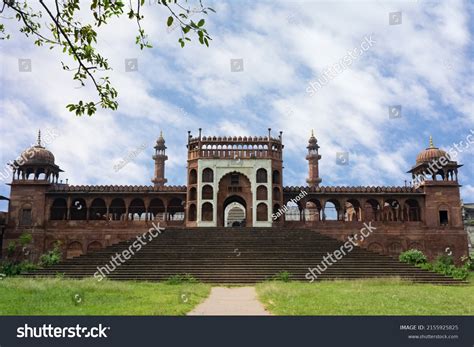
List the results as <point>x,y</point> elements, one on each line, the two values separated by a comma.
<point>233,182</point>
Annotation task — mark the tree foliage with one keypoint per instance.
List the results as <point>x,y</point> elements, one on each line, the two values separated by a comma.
<point>59,24</point>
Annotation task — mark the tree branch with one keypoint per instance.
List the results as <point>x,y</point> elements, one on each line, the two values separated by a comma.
<point>73,48</point>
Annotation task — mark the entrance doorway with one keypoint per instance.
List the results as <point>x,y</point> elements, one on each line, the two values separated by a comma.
<point>235,189</point>
<point>235,212</point>
<point>234,215</point>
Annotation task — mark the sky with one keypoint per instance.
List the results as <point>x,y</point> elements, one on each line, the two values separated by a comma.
<point>407,74</point>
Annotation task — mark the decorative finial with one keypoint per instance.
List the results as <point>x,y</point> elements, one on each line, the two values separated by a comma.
<point>431,142</point>
<point>161,133</point>
<point>39,138</point>
<point>312,132</point>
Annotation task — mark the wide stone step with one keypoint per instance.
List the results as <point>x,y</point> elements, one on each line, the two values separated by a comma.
<point>222,274</point>
<point>191,263</point>
<point>255,279</point>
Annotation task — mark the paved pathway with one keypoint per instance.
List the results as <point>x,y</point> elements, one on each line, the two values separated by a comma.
<point>239,301</point>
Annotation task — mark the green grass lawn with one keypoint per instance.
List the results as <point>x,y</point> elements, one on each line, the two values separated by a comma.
<point>24,296</point>
<point>366,297</point>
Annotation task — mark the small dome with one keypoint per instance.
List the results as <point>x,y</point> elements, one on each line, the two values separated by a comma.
<point>160,139</point>
<point>37,155</point>
<point>312,139</point>
<point>431,153</point>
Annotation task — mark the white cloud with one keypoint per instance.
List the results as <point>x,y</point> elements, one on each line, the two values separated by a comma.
<point>422,64</point>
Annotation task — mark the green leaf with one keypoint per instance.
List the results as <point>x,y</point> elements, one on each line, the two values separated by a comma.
<point>170,21</point>
<point>201,23</point>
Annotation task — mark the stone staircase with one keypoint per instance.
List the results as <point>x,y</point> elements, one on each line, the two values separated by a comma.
<point>239,256</point>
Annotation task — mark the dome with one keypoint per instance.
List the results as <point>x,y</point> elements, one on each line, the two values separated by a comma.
<point>430,154</point>
<point>160,139</point>
<point>37,154</point>
<point>312,139</point>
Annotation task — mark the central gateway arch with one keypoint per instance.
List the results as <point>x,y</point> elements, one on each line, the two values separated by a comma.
<point>234,188</point>
<point>233,181</point>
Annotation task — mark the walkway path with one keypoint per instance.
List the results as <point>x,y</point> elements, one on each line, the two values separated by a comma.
<point>240,301</point>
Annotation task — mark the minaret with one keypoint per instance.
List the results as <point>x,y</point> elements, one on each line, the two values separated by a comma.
<point>159,158</point>
<point>313,161</point>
